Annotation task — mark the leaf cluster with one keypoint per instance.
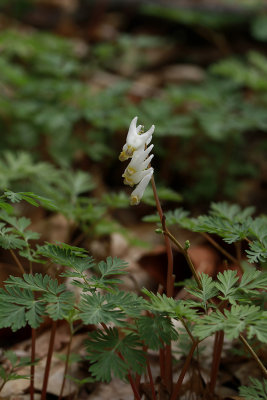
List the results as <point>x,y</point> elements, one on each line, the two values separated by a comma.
<point>256,391</point>
<point>27,299</point>
<point>230,222</point>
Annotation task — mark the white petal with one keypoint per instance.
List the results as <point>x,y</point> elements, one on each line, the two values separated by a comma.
<point>146,163</point>
<point>132,130</point>
<point>138,192</point>
<point>139,156</point>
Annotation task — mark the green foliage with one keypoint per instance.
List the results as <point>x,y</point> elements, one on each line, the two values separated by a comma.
<point>194,17</point>
<point>235,321</point>
<point>169,306</point>
<point>114,355</point>
<point>20,305</point>
<point>10,373</point>
<point>228,221</point>
<point>162,328</point>
<point>61,102</point>
<point>256,391</point>
<point>208,289</point>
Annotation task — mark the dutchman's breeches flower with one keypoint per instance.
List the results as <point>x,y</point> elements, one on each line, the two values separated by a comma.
<point>138,171</point>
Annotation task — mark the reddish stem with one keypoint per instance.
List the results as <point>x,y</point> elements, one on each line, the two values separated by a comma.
<point>218,346</point>
<point>154,397</point>
<point>178,384</point>
<point>32,362</point>
<point>66,366</point>
<point>49,358</point>
<point>137,381</point>
<point>22,270</point>
<point>162,363</point>
<point>132,382</point>
<point>169,285</point>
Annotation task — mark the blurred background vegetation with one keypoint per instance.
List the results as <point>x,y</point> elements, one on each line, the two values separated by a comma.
<point>75,72</point>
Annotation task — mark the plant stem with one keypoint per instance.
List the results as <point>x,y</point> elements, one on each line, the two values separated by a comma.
<point>136,394</point>
<point>178,384</point>
<point>32,362</point>
<point>22,270</point>
<point>220,248</point>
<point>254,355</point>
<point>238,249</point>
<point>48,360</point>
<point>186,255</point>
<point>217,352</point>
<point>132,382</point>
<point>2,385</point>
<point>162,362</point>
<point>169,285</point>
<point>187,329</point>
<point>153,392</point>
<point>66,364</point>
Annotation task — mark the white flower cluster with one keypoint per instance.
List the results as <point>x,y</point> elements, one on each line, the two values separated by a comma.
<point>138,171</point>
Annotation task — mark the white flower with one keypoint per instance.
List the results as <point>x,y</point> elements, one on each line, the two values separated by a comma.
<point>139,161</point>
<point>135,178</point>
<point>138,192</point>
<point>136,139</point>
<point>139,171</point>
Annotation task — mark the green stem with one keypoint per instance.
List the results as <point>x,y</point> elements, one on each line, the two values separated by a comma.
<point>254,355</point>
<point>48,360</point>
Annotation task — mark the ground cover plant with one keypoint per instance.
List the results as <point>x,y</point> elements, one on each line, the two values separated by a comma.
<point>73,76</point>
<point>231,305</point>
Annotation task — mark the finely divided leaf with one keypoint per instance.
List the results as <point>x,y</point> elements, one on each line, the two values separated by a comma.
<point>94,309</point>
<point>67,257</point>
<point>227,284</point>
<point>113,354</point>
<point>156,330</point>
<point>256,391</point>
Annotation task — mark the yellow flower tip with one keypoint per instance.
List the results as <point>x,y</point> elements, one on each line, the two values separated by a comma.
<point>134,201</point>
<point>130,171</point>
<point>142,130</point>
<point>128,181</point>
<point>123,156</point>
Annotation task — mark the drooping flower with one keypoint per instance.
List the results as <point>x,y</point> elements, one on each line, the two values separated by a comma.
<point>138,192</point>
<point>135,140</point>
<point>139,171</point>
